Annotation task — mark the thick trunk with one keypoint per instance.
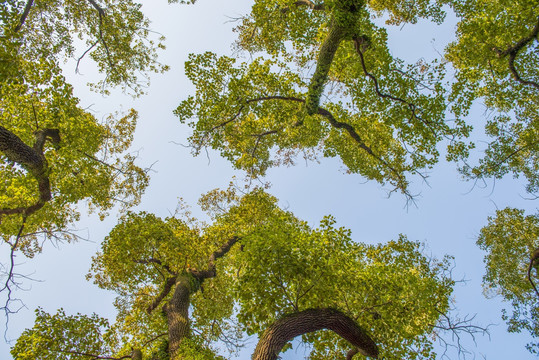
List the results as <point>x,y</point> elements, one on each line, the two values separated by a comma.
<point>17,151</point>
<point>328,49</point>
<point>177,310</point>
<point>31,159</point>
<point>284,330</point>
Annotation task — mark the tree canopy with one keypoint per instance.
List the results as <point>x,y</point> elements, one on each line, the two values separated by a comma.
<point>321,80</point>
<point>382,117</point>
<point>495,57</point>
<point>255,267</point>
<point>53,152</point>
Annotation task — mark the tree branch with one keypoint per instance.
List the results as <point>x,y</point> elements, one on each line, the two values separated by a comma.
<point>24,15</point>
<point>287,328</point>
<point>210,271</point>
<point>329,47</point>
<point>171,281</point>
<point>32,160</point>
<point>513,51</point>
<point>158,262</point>
<point>359,44</point>
<point>401,181</point>
<point>534,257</point>
<point>101,13</point>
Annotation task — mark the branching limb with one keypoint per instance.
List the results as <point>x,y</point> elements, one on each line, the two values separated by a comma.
<point>210,271</point>
<point>457,327</point>
<point>7,287</point>
<point>359,44</point>
<point>287,328</point>
<point>101,13</point>
<point>31,159</point>
<point>513,51</point>
<point>166,290</point>
<point>401,181</point>
<point>24,15</point>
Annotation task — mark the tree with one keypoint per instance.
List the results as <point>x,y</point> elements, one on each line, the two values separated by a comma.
<point>383,118</point>
<point>495,57</point>
<point>511,242</point>
<point>255,269</point>
<point>54,153</point>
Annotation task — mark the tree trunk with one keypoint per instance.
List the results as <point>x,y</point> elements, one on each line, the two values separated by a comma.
<point>327,52</point>
<point>177,310</point>
<point>17,151</point>
<point>287,328</point>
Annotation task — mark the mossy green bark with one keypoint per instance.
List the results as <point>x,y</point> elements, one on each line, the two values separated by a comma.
<point>328,49</point>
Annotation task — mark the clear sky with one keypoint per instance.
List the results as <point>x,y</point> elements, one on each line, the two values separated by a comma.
<point>447,217</point>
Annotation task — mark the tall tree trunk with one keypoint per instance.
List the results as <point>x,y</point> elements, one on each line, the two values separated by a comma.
<point>287,328</point>
<point>177,310</point>
<point>327,52</point>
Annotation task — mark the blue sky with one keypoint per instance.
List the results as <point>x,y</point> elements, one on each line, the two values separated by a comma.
<point>447,217</point>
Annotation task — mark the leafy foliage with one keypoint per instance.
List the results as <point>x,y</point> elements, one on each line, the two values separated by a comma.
<point>510,239</point>
<point>496,56</point>
<point>280,266</point>
<point>81,335</point>
<point>86,160</point>
<point>383,118</point>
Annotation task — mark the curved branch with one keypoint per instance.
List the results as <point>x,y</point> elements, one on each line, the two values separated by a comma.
<point>359,44</point>
<point>533,258</point>
<point>32,160</point>
<point>210,271</point>
<point>171,281</point>
<point>401,181</point>
<point>513,51</point>
<point>287,328</point>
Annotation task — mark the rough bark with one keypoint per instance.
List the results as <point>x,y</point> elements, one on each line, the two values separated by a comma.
<point>136,354</point>
<point>32,160</point>
<point>287,328</point>
<point>177,310</point>
<point>328,49</point>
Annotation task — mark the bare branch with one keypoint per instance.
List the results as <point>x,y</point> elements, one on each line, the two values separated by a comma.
<point>359,44</point>
<point>84,54</point>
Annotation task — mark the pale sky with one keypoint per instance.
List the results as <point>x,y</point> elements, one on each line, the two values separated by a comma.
<point>447,218</point>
